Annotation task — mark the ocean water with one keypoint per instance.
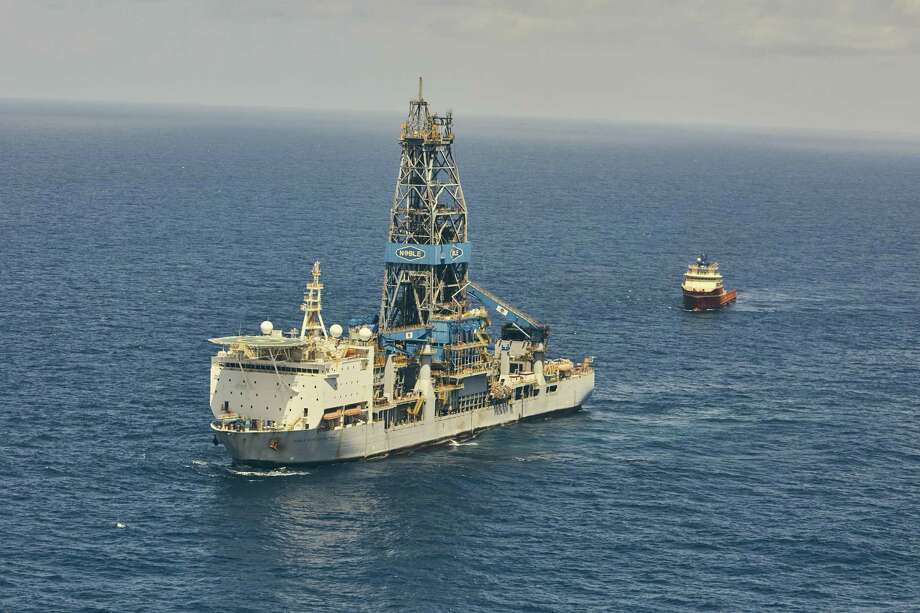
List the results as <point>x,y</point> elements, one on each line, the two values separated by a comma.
<point>763,457</point>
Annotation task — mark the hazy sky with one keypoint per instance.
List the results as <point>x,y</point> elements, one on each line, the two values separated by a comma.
<point>841,64</point>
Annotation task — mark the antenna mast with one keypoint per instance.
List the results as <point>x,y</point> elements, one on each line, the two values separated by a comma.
<point>312,307</point>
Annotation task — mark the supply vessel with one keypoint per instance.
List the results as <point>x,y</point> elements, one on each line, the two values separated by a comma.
<point>703,287</point>
<point>426,369</point>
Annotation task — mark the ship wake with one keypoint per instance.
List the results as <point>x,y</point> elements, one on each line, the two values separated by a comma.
<point>456,443</point>
<point>275,472</point>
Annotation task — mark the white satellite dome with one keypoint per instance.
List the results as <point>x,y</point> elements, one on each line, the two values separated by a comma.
<point>335,330</point>
<point>266,327</point>
<point>365,333</point>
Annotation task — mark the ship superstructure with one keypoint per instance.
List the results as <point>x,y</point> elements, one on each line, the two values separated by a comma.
<point>703,286</point>
<point>426,370</point>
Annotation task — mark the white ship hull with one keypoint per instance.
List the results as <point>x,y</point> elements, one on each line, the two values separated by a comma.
<point>368,440</point>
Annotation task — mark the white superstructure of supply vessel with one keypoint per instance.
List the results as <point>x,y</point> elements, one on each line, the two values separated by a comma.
<point>425,370</point>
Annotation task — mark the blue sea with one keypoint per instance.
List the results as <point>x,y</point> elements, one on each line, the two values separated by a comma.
<point>765,457</point>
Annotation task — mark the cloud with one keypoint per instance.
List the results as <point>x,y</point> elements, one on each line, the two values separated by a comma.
<point>843,27</point>
<point>790,27</point>
<point>773,62</point>
<point>803,27</point>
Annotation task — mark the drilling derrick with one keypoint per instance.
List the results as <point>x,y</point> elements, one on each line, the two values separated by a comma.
<point>428,253</point>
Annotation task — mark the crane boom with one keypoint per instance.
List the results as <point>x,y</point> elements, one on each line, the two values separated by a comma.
<point>528,325</point>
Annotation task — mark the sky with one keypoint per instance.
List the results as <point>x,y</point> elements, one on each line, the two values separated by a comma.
<point>831,64</point>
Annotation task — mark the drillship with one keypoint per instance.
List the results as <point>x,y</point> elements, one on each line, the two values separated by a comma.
<point>426,370</point>
<point>703,288</point>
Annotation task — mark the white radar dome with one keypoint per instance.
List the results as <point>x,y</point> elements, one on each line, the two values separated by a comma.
<point>365,333</point>
<point>335,330</point>
<point>266,327</point>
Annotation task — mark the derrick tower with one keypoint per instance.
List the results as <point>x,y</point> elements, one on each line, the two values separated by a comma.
<point>427,253</point>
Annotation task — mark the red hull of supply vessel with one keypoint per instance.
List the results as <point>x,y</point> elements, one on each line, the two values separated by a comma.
<point>703,289</point>
<point>708,302</point>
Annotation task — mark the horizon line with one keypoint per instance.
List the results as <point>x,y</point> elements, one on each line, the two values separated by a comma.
<point>778,129</point>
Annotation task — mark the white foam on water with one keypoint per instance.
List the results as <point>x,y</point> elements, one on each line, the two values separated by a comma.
<point>454,443</point>
<point>277,472</point>
<point>547,456</point>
